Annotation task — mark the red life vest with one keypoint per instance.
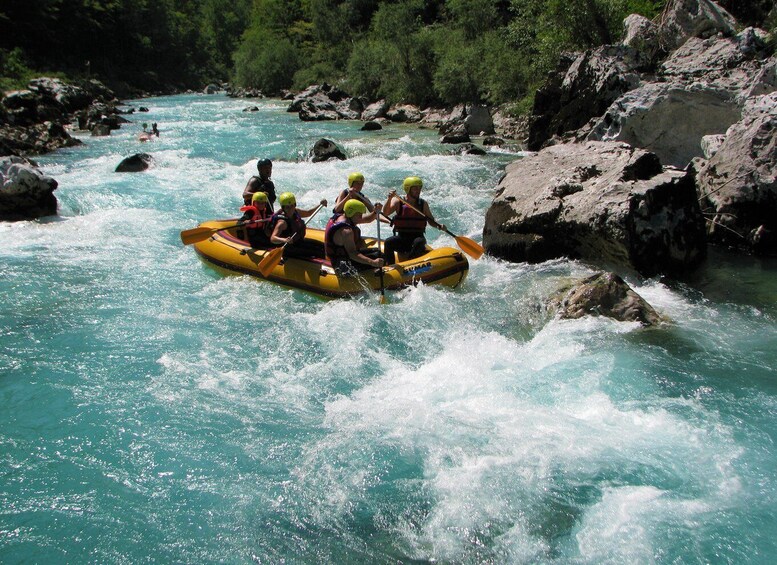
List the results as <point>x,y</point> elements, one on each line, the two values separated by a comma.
<point>257,214</point>
<point>294,225</point>
<point>408,221</point>
<point>334,252</point>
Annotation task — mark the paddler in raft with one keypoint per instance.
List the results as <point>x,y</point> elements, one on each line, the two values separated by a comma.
<point>262,183</point>
<point>257,217</point>
<point>354,190</point>
<point>343,243</point>
<point>409,225</point>
<point>287,228</point>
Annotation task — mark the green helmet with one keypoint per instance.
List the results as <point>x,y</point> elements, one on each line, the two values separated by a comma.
<point>259,197</point>
<point>353,207</point>
<point>410,182</point>
<point>287,199</point>
<point>355,177</point>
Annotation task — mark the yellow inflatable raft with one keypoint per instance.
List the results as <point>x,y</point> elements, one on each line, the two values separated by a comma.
<point>228,250</point>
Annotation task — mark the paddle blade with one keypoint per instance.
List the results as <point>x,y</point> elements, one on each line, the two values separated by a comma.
<point>270,261</point>
<point>383,299</point>
<point>196,234</point>
<point>470,246</point>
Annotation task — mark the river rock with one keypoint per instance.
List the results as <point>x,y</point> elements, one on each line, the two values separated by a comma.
<point>583,87</point>
<point>25,192</point>
<point>325,149</point>
<point>135,163</point>
<point>467,149</point>
<point>693,18</point>
<point>703,88</point>
<point>375,111</point>
<point>603,294</point>
<point>641,34</point>
<point>478,120</point>
<point>371,126</point>
<point>738,185</point>
<point>404,113</point>
<point>325,102</point>
<point>603,202</point>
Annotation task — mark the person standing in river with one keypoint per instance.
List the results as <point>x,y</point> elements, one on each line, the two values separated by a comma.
<point>409,225</point>
<point>261,183</point>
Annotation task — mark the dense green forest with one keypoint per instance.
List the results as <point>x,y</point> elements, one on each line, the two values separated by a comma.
<point>419,51</point>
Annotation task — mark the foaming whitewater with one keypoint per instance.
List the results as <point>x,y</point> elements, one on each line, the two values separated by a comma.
<point>154,409</point>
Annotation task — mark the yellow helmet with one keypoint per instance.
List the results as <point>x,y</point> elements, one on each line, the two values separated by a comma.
<point>287,199</point>
<point>410,182</point>
<point>355,177</point>
<point>353,207</point>
<point>259,197</point>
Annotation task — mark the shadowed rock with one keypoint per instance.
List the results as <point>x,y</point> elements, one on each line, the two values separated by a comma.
<point>325,149</point>
<point>738,185</point>
<point>135,163</point>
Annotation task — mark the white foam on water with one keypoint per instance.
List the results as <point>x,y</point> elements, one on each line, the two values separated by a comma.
<point>497,426</point>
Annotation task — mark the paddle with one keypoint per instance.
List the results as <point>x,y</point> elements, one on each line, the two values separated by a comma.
<point>467,245</point>
<point>382,285</point>
<point>272,259</point>
<point>199,234</point>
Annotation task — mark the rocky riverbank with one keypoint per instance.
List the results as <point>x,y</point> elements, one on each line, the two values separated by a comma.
<point>697,92</point>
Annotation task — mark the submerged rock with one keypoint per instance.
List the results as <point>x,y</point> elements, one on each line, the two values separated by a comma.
<point>603,294</point>
<point>25,192</point>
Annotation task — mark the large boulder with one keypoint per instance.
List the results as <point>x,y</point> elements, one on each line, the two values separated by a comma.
<point>34,139</point>
<point>325,102</point>
<point>693,18</point>
<point>71,97</point>
<point>478,120</point>
<point>404,113</point>
<point>704,85</point>
<point>738,184</point>
<point>375,111</point>
<point>603,202</point>
<point>668,118</point>
<point>25,192</point>
<point>603,294</point>
<point>583,87</point>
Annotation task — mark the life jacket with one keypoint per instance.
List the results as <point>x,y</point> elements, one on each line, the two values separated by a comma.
<point>265,185</point>
<point>408,221</point>
<point>334,252</point>
<point>294,225</point>
<point>257,214</point>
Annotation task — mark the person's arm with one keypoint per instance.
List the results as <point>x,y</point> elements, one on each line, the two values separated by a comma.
<point>392,203</point>
<point>307,213</point>
<point>374,213</point>
<point>434,223</point>
<point>249,190</point>
<point>276,234</point>
<point>345,196</point>
<point>344,237</point>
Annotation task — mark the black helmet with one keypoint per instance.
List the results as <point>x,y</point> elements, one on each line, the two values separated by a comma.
<point>263,163</point>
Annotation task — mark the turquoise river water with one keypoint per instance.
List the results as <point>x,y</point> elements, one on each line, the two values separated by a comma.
<point>155,411</point>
